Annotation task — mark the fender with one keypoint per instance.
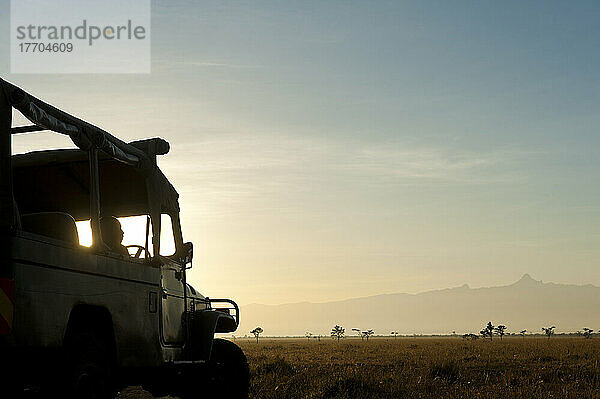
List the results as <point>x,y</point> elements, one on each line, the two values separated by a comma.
<point>202,326</point>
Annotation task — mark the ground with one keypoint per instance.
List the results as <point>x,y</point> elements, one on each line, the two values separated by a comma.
<point>423,368</point>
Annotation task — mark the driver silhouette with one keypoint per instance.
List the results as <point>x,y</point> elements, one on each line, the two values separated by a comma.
<point>112,234</point>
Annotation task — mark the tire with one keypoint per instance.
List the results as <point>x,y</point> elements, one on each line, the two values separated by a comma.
<point>227,372</point>
<point>89,371</point>
<point>13,385</point>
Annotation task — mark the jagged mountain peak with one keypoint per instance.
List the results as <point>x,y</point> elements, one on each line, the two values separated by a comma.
<point>527,281</point>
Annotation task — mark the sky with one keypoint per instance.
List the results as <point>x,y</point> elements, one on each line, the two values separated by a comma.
<point>325,150</point>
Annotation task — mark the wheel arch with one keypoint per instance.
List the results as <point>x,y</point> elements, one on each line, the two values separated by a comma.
<point>203,325</point>
<point>93,320</point>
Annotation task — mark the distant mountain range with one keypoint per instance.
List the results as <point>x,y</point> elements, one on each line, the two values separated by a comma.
<point>527,304</point>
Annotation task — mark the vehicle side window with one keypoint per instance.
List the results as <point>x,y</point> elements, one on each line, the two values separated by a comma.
<point>84,229</point>
<point>134,229</point>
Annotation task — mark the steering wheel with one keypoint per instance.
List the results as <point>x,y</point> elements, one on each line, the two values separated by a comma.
<point>138,253</point>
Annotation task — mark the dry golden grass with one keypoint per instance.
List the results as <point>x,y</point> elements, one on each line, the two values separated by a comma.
<point>424,368</point>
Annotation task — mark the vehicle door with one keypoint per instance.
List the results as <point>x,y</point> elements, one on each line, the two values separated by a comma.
<point>172,304</point>
<point>172,289</point>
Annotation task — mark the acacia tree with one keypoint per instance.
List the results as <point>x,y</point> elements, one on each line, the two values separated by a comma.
<point>488,331</point>
<point>358,333</point>
<point>549,331</point>
<point>394,334</point>
<point>587,333</point>
<point>500,330</point>
<point>337,332</point>
<point>308,335</point>
<point>367,334</point>
<point>257,331</point>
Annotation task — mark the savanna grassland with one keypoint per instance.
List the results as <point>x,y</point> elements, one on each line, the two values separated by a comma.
<point>424,368</point>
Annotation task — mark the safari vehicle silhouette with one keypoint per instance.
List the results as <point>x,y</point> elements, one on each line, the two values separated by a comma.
<point>89,321</point>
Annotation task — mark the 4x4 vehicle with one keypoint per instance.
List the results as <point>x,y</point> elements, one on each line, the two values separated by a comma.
<point>89,320</point>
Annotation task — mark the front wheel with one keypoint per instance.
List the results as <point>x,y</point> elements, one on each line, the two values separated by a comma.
<point>89,375</point>
<point>227,371</point>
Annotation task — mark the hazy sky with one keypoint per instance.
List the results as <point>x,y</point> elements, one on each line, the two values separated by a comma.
<point>333,149</point>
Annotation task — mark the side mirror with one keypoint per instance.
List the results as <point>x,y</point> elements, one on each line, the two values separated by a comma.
<point>187,253</point>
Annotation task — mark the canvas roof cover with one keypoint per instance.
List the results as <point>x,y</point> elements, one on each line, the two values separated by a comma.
<point>58,180</point>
